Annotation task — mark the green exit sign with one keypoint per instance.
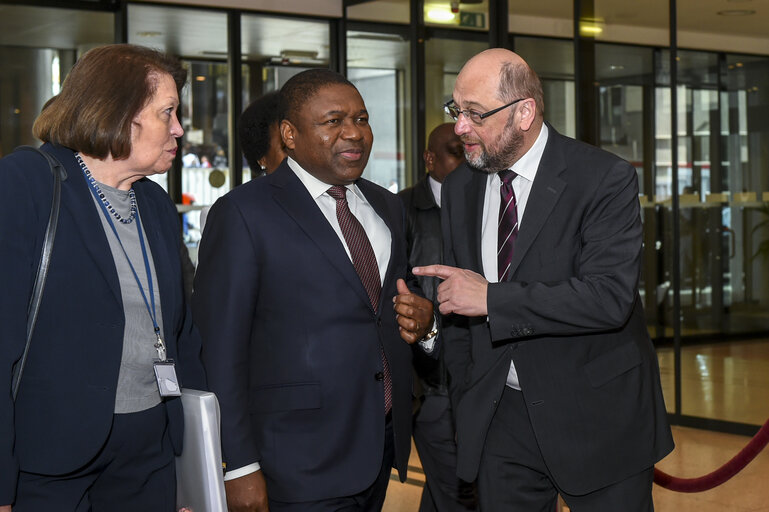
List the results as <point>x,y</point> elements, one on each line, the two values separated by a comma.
<point>472,19</point>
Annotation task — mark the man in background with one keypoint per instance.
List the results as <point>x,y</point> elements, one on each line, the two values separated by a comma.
<point>434,434</point>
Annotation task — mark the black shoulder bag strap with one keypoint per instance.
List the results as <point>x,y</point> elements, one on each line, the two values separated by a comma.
<point>59,175</point>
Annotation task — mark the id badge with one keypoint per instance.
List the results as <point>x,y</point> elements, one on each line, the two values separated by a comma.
<point>165,373</point>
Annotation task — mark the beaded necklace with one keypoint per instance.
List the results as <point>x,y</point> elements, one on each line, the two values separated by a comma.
<point>95,185</point>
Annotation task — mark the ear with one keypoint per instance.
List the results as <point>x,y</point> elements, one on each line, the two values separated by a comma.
<point>528,112</point>
<point>287,131</point>
<point>429,159</point>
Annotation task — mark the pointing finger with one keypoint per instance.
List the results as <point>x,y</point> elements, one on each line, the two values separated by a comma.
<point>442,271</point>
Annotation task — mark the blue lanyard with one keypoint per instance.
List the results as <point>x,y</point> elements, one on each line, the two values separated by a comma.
<point>160,346</point>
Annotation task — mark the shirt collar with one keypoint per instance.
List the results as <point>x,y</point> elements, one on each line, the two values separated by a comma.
<point>527,165</point>
<point>435,188</point>
<point>314,186</point>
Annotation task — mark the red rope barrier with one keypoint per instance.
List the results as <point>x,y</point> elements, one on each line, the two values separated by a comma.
<point>720,475</point>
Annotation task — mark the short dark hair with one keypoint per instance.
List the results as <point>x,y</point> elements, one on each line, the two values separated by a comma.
<point>303,86</point>
<point>101,96</point>
<point>254,127</point>
<point>520,81</point>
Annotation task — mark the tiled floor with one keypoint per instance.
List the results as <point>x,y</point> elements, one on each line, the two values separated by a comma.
<point>723,381</point>
<point>697,453</point>
<point>728,380</point>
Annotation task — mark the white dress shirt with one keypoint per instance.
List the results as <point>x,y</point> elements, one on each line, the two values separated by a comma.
<point>435,187</point>
<point>377,231</point>
<point>526,170</point>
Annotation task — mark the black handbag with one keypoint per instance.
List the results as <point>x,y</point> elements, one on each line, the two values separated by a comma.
<point>59,175</point>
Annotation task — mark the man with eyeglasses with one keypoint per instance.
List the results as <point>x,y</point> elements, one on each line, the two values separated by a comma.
<point>554,380</point>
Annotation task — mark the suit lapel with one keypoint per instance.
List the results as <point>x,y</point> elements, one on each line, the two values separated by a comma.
<point>293,197</point>
<point>545,191</point>
<point>76,198</point>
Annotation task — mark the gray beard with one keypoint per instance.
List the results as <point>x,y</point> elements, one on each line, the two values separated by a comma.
<point>511,142</point>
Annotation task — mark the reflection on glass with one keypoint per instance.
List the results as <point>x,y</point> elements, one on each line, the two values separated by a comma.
<point>723,209</point>
<point>272,54</point>
<point>199,38</point>
<point>378,65</point>
<point>382,11</point>
<point>205,162</point>
<point>553,61</point>
<point>444,59</point>
<point>554,18</point>
<point>35,58</point>
<point>473,15</point>
<point>626,22</point>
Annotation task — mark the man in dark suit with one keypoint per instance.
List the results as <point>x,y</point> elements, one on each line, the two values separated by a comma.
<point>302,307</point>
<point>434,435</point>
<point>554,379</point>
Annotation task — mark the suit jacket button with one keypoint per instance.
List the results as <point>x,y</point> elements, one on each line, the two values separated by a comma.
<point>379,376</point>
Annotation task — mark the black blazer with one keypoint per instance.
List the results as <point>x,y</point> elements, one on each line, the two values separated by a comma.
<point>570,318</point>
<point>64,410</point>
<point>291,344</point>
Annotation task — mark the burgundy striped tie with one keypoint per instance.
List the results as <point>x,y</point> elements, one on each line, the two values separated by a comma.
<point>507,229</point>
<point>364,261</point>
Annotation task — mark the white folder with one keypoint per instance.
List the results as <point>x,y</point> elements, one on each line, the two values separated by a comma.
<point>199,475</point>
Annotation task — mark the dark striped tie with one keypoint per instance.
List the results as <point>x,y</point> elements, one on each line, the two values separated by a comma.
<point>364,261</point>
<point>507,229</point>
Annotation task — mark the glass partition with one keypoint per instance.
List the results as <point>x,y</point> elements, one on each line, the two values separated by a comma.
<point>199,38</point>
<point>35,59</point>
<point>444,59</point>
<point>472,15</point>
<point>553,61</point>
<point>272,54</point>
<point>723,223</point>
<point>378,65</point>
<point>380,11</point>
<point>554,18</point>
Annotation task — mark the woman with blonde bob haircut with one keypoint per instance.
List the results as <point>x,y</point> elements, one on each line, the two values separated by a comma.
<point>97,419</point>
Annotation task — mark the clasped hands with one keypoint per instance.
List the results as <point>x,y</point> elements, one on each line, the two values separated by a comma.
<point>462,291</point>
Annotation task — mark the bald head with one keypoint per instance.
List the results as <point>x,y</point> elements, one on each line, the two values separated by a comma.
<point>444,152</point>
<point>501,104</point>
<point>490,61</point>
<point>504,74</point>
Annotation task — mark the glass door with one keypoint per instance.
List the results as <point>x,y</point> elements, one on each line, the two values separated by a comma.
<point>378,65</point>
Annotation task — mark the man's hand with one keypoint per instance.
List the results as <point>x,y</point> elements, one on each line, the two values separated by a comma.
<point>462,291</point>
<point>5,508</point>
<point>246,494</point>
<point>413,313</point>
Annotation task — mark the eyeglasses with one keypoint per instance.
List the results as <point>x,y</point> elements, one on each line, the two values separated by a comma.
<point>453,111</point>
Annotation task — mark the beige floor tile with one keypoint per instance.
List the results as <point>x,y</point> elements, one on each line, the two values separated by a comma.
<point>728,380</point>
<point>697,453</point>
